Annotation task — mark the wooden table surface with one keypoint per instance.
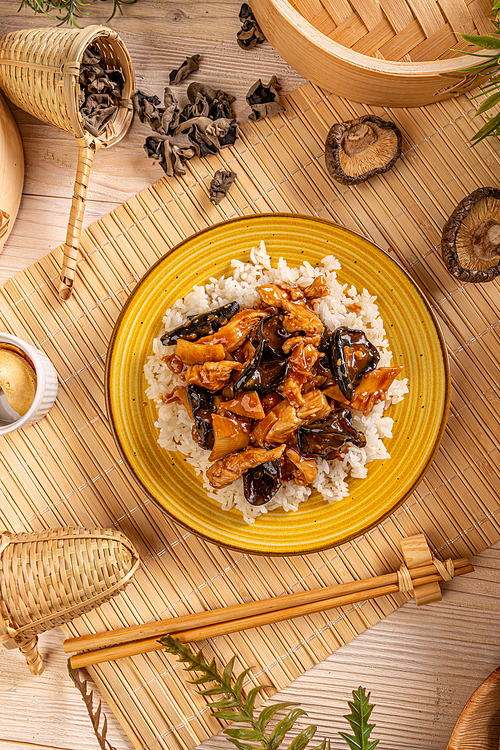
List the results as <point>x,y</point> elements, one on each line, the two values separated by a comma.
<point>420,664</point>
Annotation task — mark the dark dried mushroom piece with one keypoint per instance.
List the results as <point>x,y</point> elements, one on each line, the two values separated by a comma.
<point>359,149</point>
<point>96,111</point>
<point>147,109</point>
<point>171,156</point>
<point>190,65</point>
<point>268,367</point>
<point>264,100</point>
<point>352,355</point>
<point>470,243</point>
<point>327,436</point>
<point>219,187</point>
<point>250,33</point>
<point>220,106</point>
<point>201,402</point>
<point>262,483</point>
<point>201,325</point>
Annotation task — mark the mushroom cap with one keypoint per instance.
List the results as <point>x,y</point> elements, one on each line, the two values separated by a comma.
<point>470,243</point>
<point>359,149</point>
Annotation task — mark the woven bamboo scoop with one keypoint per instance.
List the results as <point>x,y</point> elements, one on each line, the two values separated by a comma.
<point>39,71</point>
<point>48,578</point>
<point>421,573</point>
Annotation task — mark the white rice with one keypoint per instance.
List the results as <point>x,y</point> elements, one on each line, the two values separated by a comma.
<point>175,425</point>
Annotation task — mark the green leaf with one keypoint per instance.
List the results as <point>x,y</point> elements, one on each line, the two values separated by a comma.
<point>252,695</point>
<point>238,685</point>
<point>358,719</point>
<point>220,705</point>
<point>284,726</point>
<point>267,713</point>
<point>302,739</point>
<point>231,715</point>
<point>240,745</point>
<point>483,41</point>
<point>489,103</point>
<point>220,690</point>
<point>487,129</point>
<point>249,735</point>
<point>228,671</point>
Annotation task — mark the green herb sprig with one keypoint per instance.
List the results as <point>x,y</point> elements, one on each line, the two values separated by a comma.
<point>68,11</point>
<point>233,706</point>
<point>489,66</point>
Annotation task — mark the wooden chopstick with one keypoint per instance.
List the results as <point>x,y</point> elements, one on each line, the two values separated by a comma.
<point>303,605</point>
<point>238,611</point>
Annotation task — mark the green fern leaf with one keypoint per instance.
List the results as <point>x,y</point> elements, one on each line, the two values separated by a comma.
<point>240,745</point>
<point>221,690</point>
<point>248,735</point>
<point>228,671</point>
<point>252,695</point>
<point>358,719</point>
<point>231,715</point>
<point>284,726</point>
<point>267,713</point>
<point>302,739</point>
<point>238,685</point>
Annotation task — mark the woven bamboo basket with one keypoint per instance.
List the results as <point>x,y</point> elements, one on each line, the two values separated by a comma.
<point>39,71</point>
<point>382,52</point>
<point>48,578</point>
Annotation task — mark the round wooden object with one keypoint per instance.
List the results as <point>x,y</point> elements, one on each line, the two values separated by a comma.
<point>389,53</point>
<point>11,171</point>
<point>478,727</point>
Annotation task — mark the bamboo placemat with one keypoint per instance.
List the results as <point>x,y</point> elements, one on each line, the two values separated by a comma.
<point>65,470</point>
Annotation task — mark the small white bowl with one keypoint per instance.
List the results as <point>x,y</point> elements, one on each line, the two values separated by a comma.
<point>46,388</point>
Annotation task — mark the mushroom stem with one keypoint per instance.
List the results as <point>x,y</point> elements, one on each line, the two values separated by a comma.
<point>486,240</point>
<point>358,138</point>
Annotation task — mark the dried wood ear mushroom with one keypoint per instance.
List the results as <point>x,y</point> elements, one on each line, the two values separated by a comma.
<point>470,244</point>
<point>359,149</point>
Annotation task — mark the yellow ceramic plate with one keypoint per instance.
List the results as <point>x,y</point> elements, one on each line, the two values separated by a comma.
<point>415,341</point>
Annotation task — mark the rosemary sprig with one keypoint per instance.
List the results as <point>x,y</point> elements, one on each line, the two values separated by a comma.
<point>489,66</point>
<point>68,11</point>
<point>233,706</point>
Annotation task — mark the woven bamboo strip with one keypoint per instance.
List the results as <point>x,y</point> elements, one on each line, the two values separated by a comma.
<point>66,470</point>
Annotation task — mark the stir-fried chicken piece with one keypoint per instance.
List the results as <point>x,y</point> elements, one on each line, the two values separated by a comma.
<point>293,340</point>
<point>300,363</point>
<point>211,375</point>
<point>191,352</point>
<point>288,421</point>
<point>315,407</point>
<point>227,470</point>
<point>272,295</point>
<point>317,289</point>
<point>372,389</point>
<point>232,335</point>
<point>305,470</point>
<point>303,357</point>
<point>299,317</point>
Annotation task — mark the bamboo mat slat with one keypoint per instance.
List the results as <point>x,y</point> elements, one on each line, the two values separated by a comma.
<point>66,470</point>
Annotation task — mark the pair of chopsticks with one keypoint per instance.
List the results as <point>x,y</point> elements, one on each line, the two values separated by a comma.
<point>140,639</point>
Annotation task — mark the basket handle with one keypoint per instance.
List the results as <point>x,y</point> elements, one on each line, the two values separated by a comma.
<point>85,159</point>
<point>29,649</point>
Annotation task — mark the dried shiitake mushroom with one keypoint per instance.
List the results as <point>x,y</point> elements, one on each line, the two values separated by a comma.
<point>359,149</point>
<point>471,237</point>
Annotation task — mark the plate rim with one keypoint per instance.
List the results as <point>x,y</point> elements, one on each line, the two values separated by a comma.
<point>437,440</point>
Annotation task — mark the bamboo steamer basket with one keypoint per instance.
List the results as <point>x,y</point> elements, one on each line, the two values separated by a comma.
<point>48,578</point>
<point>381,52</point>
<point>478,727</point>
<point>11,171</point>
<point>39,71</point>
